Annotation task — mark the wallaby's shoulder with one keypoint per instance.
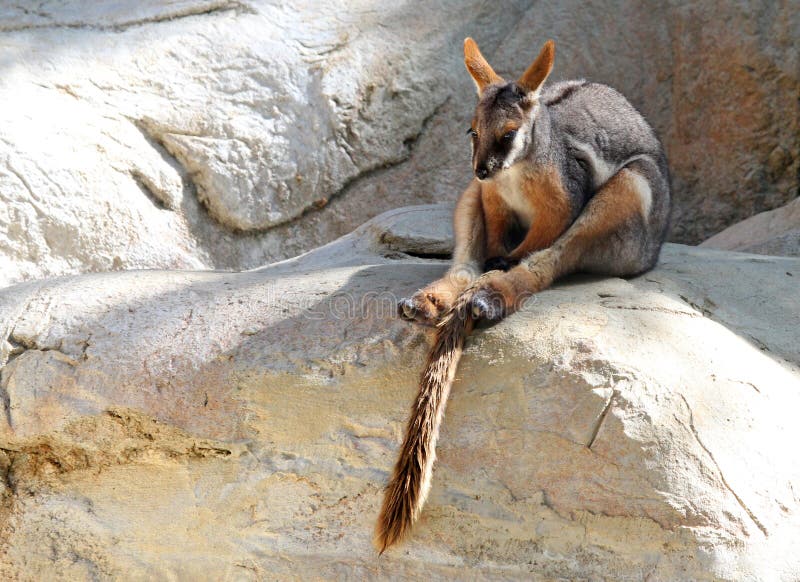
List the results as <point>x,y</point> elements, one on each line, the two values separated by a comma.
<point>580,92</point>
<point>555,93</point>
<point>595,113</point>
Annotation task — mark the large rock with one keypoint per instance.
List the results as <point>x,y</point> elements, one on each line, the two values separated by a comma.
<point>775,232</point>
<point>241,425</point>
<point>227,134</point>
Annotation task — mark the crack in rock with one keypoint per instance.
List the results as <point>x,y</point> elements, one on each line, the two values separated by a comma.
<point>410,143</point>
<point>151,191</point>
<point>157,138</point>
<point>701,309</point>
<point>10,352</point>
<point>655,309</point>
<point>204,9</point>
<point>739,500</point>
<point>156,194</point>
<point>602,418</point>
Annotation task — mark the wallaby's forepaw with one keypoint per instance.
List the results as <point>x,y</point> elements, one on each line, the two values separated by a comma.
<point>499,264</point>
<point>424,308</point>
<point>496,295</point>
<point>488,304</point>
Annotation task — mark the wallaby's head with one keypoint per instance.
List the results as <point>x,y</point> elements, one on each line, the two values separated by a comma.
<point>501,129</point>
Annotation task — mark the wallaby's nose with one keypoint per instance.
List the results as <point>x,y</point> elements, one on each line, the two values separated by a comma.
<point>481,172</point>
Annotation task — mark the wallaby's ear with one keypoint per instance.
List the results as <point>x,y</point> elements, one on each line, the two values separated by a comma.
<point>533,79</point>
<point>477,66</point>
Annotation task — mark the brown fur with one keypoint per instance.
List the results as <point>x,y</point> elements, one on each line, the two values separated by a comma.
<point>497,217</point>
<point>468,227</point>
<point>616,203</point>
<point>546,195</point>
<point>482,218</point>
<point>437,297</point>
<point>509,126</point>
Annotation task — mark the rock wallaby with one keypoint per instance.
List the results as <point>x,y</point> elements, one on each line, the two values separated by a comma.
<point>568,178</point>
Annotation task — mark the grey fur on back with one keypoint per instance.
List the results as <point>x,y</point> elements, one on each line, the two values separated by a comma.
<point>591,131</point>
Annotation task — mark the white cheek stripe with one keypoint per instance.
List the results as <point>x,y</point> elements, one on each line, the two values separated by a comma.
<point>472,155</point>
<point>521,139</point>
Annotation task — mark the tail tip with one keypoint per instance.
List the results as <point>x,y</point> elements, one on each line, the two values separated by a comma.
<point>386,535</point>
<point>381,543</point>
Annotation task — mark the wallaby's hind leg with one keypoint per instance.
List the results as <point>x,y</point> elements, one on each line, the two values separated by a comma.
<point>429,303</point>
<point>618,233</point>
<point>633,247</point>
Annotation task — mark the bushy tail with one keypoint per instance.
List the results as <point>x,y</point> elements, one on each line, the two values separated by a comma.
<point>407,490</point>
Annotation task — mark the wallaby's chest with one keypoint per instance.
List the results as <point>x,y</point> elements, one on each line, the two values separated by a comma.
<point>537,199</point>
<point>516,190</point>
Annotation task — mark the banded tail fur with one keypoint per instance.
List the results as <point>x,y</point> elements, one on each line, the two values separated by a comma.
<point>569,178</point>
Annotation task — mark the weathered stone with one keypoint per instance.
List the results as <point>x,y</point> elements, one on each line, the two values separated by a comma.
<point>242,425</point>
<point>183,136</point>
<point>775,232</point>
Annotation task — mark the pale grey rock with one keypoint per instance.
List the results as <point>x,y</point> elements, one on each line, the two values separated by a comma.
<point>775,232</point>
<point>182,135</point>
<point>163,424</point>
<point>104,15</point>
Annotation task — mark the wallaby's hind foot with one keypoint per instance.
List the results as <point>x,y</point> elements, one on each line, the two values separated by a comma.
<point>428,305</point>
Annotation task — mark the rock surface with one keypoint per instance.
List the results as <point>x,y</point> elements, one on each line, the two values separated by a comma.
<point>241,426</point>
<point>775,232</point>
<point>230,133</point>
<point>184,134</point>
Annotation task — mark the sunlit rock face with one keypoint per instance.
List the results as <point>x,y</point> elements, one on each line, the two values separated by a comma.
<point>200,134</point>
<point>170,424</point>
<point>227,134</point>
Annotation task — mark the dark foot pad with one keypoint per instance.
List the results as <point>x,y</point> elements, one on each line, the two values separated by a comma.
<point>487,305</point>
<point>410,310</point>
<point>406,309</point>
<point>499,264</point>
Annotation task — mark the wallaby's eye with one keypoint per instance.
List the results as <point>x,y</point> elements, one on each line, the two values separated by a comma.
<point>472,133</point>
<point>510,135</point>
